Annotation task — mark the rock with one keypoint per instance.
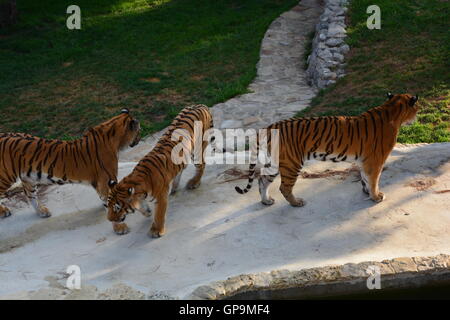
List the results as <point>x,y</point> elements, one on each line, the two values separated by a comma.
<point>335,29</point>
<point>344,48</point>
<point>231,124</point>
<point>338,57</point>
<point>403,265</point>
<point>334,42</point>
<point>325,54</point>
<point>250,120</point>
<point>329,75</point>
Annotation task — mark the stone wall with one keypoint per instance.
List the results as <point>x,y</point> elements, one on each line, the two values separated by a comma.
<point>350,278</point>
<point>326,61</point>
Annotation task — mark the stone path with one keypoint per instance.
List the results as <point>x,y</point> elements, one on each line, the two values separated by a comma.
<point>280,89</point>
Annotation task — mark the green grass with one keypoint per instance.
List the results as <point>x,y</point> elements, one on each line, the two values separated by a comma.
<point>152,56</point>
<point>411,53</point>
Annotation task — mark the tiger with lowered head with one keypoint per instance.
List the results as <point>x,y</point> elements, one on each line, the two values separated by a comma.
<point>367,139</point>
<point>91,159</point>
<point>157,173</point>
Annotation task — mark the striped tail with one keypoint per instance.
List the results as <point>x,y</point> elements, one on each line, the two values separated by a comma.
<point>251,169</point>
<point>251,177</point>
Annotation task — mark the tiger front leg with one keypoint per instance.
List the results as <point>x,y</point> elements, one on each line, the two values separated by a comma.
<point>176,183</point>
<point>120,228</point>
<point>4,212</point>
<point>288,179</point>
<point>195,181</point>
<point>371,173</point>
<point>158,228</point>
<point>31,193</point>
<point>143,207</point>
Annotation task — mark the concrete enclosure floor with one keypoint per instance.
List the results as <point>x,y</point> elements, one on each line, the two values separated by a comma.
<point>214,233</point>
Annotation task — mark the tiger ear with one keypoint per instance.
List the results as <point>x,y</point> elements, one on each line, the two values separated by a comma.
<point>130,191</point>
<point>125,110</point>
<point>112,183</point>
<point>389,95</point>
<point>413,100</point>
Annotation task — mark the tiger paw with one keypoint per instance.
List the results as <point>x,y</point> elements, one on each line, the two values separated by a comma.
<point>4,212</point>
<point>380,197</point>
<point>156,232</point>
<point>44,212</point>
<point>268,202</point>
<point>192,184</point>
<point>147,212</point>
<point>364,187</point>
<point>120,228</point>
<point>297,202</point>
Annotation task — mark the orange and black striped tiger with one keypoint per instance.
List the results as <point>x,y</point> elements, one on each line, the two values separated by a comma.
<point>153,175</point>
<point>366,139</point>
<point>91,159</point>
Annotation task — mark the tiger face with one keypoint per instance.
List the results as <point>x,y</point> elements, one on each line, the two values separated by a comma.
<point>126,127</point>
<point>406,105</point>
<point>122,200</point>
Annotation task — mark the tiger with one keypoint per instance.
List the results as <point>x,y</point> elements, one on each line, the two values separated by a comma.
<point>91,159</point>
<point>156,173</point>
<point>367,139</point>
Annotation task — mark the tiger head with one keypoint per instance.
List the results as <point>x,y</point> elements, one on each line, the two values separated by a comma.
<point>405,107</point>
<point>122,200</point>
<point>123,129</point>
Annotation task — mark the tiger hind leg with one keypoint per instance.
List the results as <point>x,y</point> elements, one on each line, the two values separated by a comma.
<point>288,180</point>
<point>31,193</point>
<point>195,181</point>
<point>264,183</point>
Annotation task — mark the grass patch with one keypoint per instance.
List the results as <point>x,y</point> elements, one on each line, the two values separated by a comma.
<point>411,53</point>
<point>308,48</point>
<point>152,56</point>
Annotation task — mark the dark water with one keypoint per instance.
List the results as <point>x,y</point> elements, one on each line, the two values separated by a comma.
<point>334,291</point>
<point>423,293</point>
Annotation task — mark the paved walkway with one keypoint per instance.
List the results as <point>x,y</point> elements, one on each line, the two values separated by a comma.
<point>280,89</point>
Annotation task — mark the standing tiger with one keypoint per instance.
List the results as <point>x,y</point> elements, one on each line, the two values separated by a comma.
<point>154,174</point>
<point>367,139</point>
<point>92,159</point>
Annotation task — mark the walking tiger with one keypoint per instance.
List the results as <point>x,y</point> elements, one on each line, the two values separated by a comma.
<point>91,159</point>
<point>367,139</point>
<point>153,175</point>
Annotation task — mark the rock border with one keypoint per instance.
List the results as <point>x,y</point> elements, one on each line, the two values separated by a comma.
<point>326,61</point>
<point>350,278</point>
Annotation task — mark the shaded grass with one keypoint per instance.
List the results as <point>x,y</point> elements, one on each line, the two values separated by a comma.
<point>411,53</point>
<point>152,56</point>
